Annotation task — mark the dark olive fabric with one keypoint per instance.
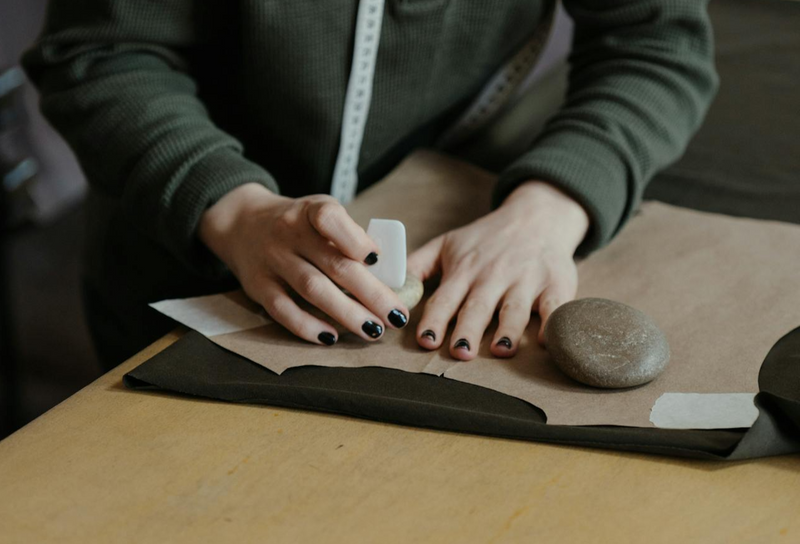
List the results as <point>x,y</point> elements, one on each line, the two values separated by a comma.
<point>195,366</point>
<point>743,162</point>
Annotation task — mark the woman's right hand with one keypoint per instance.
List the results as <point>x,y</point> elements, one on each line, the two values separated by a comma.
<point>274,244</point>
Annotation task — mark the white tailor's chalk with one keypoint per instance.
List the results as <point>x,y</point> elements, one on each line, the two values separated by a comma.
<point>390,235</point>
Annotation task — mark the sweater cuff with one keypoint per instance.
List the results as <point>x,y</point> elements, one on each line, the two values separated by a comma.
<point>584,167</point>
<point>206,182</point>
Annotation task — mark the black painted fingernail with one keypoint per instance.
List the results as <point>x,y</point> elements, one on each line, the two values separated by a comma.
<point>371,259</point>
<point>505,342</point>
<point>398,319</point>
<point>327,338</point>
<point>372,330</point>
<point>430,334</point>
<point>462,344</point>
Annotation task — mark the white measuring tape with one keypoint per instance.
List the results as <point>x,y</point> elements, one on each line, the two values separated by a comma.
<point>357,99</point>
<point>489,102</point>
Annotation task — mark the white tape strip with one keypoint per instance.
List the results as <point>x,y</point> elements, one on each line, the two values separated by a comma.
<point>704,411</point>
<point>216,314</point>
<point>357,99</point>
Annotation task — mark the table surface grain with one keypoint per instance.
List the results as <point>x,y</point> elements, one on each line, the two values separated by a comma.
<point>113,465</point>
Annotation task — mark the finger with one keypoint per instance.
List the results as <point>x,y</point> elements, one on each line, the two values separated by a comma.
<point>424,262</point>
<point>280,307</point>
<point>513,319</point>
<point>439,310</point>
<point>561,290</point>
<point>318,290</point>
<point>473,318</point>
<point>332,221</point>
<point>363,285</point>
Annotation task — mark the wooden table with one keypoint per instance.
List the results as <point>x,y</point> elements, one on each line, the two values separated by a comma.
<point>111,465</point>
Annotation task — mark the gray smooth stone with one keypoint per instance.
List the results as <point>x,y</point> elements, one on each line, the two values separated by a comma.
<point>606,344</point>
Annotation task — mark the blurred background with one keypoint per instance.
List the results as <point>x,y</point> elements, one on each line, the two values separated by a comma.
<point>747,151</point>
<point>43,187</point>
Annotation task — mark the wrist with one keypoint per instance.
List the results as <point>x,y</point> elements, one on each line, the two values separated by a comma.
<point>219,221</point>
<point>534,200</point>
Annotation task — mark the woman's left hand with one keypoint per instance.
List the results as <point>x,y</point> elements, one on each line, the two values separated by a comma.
<point>518,257</point>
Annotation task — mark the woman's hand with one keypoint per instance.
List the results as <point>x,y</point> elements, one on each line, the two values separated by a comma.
<point>520,257</point>
<point>310,245</point>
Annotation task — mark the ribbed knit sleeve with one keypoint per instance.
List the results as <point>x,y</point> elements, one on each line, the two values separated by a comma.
<point>114,83</point>
<point>642,77</point>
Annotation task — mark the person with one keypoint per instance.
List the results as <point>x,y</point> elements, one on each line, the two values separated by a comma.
<point>211,134</point>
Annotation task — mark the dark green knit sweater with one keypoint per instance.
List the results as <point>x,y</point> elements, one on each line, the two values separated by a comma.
<point>170,104</point>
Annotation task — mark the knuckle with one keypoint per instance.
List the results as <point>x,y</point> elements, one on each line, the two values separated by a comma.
<point>340,267</point>
<point>442,301</point>
<point>273,306</point>
<point>467,261</point>
<point>548,305</point>
<point>320,198</point>
<point>286,222</point>
<point>325,214</point>
<point>562,285</point>
<point>280,307</point>
<point>476,305</point>
<point>303,327</point>
<point>511,306</point>
<point>462,275</point>
<point>495,271</point>
<point>379,299</point>
<point>276,303</point>
<point>311,285</point>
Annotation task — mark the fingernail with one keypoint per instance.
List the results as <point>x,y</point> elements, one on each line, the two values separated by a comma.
<point>462,344</point>
<point>372,330</point>
<point>371,259</point>
<point>327,338</point>
<point>430,334</point>
<point>505,342</point>
<point>398,319</point>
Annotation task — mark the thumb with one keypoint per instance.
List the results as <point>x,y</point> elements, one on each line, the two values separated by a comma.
<point>425,262</point>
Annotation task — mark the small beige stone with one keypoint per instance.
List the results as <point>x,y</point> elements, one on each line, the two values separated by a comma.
<point>411,292</point>
<point>607,344</point>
